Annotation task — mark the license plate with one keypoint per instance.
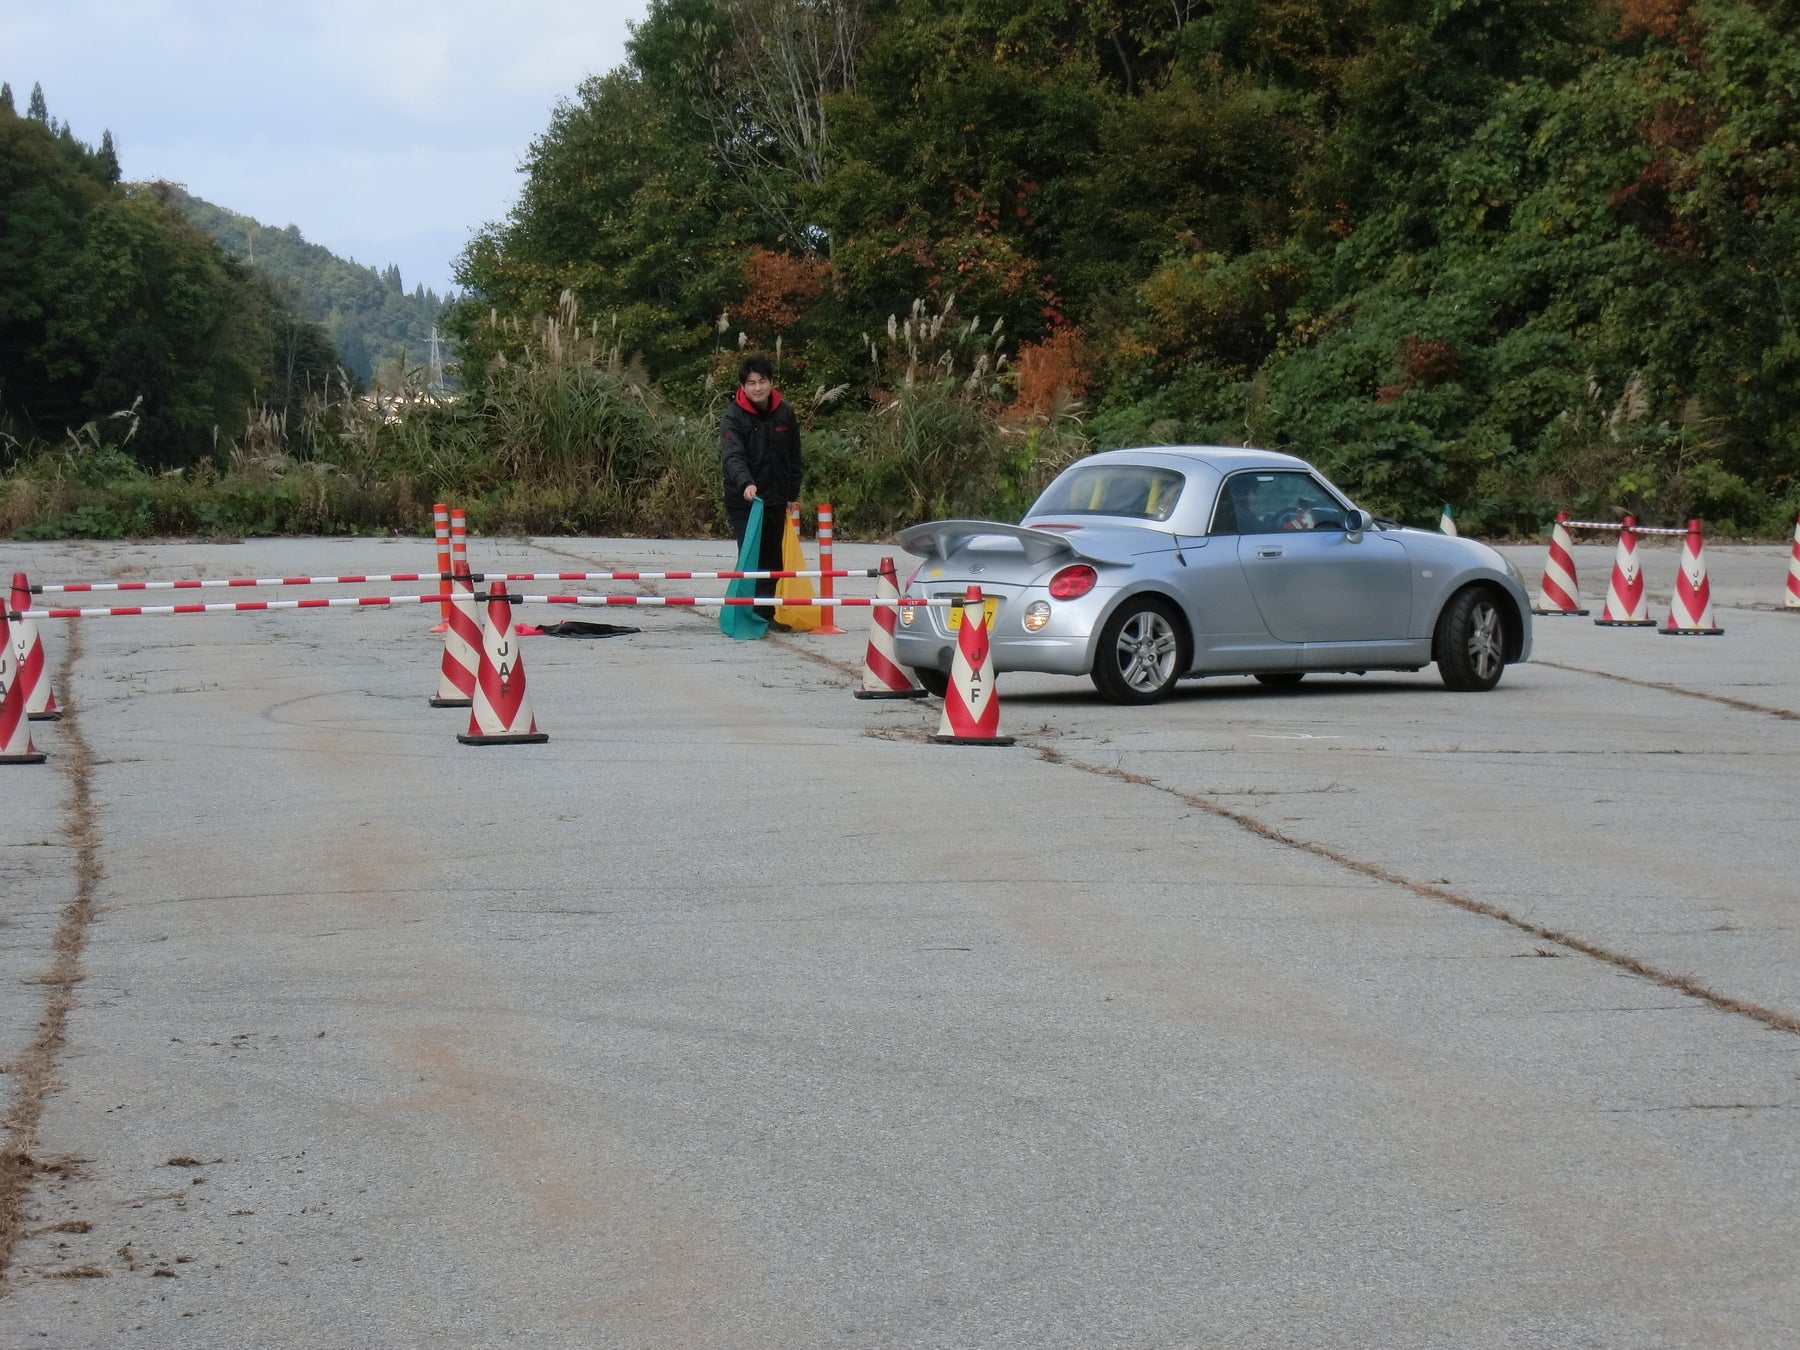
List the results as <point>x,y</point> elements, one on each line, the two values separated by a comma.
<point>990,604</point>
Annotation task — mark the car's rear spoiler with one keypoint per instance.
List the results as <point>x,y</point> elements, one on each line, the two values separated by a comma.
<point>941,538</point>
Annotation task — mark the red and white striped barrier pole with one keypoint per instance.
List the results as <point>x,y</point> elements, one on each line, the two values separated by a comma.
<point>436,597</point>
<point>827,625</point>
<point>668,576</point>
<point>1690,608</point>
<point>459,545</point>
<point>440,524</point>
<point>227,583</point>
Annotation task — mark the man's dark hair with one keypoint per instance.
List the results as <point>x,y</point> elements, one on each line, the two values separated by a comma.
<point>755,364</point>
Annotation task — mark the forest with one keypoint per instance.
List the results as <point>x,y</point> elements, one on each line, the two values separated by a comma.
<point>1516,255</point>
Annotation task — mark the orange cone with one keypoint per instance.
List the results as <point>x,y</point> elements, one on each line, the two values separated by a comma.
<point>1793,582</point>
<point>500,713</point>
<point>1626,604</point>
<point>1690,609</point>
<point>971,703</point>
<point>1558,594</point>
<point>883,675</point>
<point>28,648</point>
<point>15,726</point>
<point>461,664</point>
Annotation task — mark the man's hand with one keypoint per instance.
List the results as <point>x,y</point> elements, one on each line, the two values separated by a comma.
<point>750,493</point>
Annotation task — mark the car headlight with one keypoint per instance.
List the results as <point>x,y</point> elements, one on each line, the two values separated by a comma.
<point>1037,614</point>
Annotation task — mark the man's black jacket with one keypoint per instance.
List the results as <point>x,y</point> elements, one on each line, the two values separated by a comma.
<point>761,448</point>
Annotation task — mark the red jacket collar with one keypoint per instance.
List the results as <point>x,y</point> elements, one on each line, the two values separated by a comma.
<point>752,409</point>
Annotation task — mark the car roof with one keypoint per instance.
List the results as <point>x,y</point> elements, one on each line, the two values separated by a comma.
<point>1221,459</point>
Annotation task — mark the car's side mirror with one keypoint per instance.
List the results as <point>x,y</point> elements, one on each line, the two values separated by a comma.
<point>1354,524</point>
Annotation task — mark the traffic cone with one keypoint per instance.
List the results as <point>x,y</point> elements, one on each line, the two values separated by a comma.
<point>883,675</point>
<point>500,712</point>
<point>1690,609</point>
<point>1626,604</point>
<point>971,703</point>
<point>461,664</point>
<point>1558,593</point>
<point>15,726</point>
<point>1447,521</point>
<point>440,526</point>
<point>28,648</point>
<point>1793,582</point>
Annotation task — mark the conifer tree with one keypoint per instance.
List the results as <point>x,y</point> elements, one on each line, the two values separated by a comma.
<point>6,98</point>
<point>37,110</point>
<point>108,158</point>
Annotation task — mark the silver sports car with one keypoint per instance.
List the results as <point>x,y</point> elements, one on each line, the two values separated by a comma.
<point>1140,567</point>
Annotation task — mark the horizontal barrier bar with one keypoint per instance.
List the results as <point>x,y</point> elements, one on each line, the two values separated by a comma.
<point>378,601</point>
<point>668,576</point>
<point>241,607</point>
<point>1616,526</point>
<point>74,587</point>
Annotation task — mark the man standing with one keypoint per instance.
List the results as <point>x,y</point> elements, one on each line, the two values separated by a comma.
<point>759,441</point>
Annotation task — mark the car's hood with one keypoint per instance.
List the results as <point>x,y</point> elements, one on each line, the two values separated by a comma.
<point>942,538</point>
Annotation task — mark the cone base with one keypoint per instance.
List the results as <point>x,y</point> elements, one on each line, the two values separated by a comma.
<point>441,628</point>
<point>53,715</point>
<point>1692,632</point>
<point>973,740</point>
<point>1552,613</point>
<point>451,702</point>
<point>510,738</point>
<point>892,693</point>
<point>35,757</point>
<point>831,631</point>
<point>1624,623</point>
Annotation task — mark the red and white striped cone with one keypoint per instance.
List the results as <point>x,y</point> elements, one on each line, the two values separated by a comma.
<point>500,713</point>
<point>15,726</point>
<point>971,703</point>
<point>1626,604</point>
<point>827,620</point>
<point>28,648</point>
<point>1793,582</point>
<point>883,675</point>
<point>440,528</point>
<point>1558,593</point>
<point>461,664</point>
<point>1690,609</point>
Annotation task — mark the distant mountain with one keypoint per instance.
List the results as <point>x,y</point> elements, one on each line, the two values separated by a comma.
<point>369,315</point>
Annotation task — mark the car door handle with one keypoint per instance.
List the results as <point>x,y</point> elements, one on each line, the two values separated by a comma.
<point>1268,553</point>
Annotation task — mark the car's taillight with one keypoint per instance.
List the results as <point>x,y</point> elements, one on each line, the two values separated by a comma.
<point>1073,582</point>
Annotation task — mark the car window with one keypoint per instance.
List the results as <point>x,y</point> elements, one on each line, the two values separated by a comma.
<point>1113,490</point>
<point>1267,501</point>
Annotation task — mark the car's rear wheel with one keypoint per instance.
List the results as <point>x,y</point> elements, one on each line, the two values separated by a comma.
<point>1471,641</point>
<point>1142,652</point>
<point>935,682</point>
<point>1281,679</point>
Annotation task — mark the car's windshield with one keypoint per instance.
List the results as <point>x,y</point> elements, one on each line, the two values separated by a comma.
<point>1113,490</point>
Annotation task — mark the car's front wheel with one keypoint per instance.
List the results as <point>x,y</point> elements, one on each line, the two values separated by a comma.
<point>1142,652</point>
<point>935,682</point>
<point>1471,641</point>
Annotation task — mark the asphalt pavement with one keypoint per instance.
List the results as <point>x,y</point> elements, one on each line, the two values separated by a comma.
<point>740,1014</point>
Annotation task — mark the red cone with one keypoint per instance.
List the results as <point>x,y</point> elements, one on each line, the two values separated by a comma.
<point>883,675</point>
<point>971,703</point>
<point>1626,604</point>
<point>1690,608</point>
<point>501,710</point>
<point>28,647</point>
<point>15,726</point>
<point>461,663</point>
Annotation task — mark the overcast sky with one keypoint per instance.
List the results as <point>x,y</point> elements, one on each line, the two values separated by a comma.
<point>388,133</point>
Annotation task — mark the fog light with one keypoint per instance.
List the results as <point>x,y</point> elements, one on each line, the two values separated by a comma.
<point>1037,614</point>
<point>906,616</point>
